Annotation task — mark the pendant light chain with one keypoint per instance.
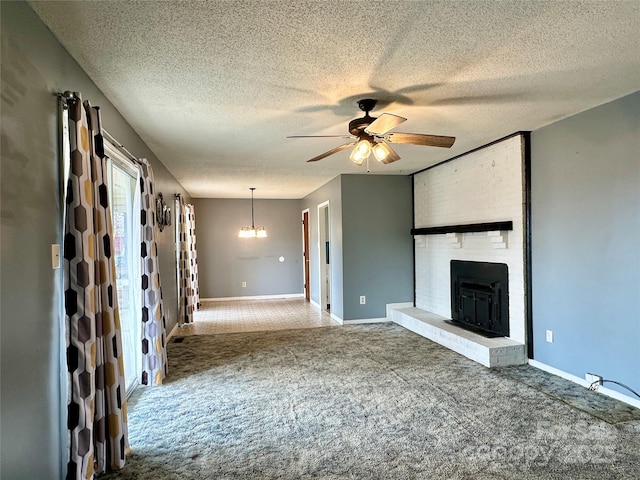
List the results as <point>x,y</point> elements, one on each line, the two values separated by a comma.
<point>252,222</point>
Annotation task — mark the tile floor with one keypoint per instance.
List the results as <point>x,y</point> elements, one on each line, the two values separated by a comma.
<point>231,316</point>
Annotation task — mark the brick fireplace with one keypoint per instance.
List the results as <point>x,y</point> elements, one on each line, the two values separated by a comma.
<point>481,188</point>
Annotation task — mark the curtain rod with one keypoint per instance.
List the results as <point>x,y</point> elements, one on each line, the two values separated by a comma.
<point>117,144</point>
<point>70,97</point>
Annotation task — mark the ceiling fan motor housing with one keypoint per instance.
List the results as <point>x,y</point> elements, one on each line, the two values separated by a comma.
<point>357,125</point>
<point>367,104</point>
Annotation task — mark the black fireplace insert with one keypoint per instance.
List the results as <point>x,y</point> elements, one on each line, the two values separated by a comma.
<point>480,297</point>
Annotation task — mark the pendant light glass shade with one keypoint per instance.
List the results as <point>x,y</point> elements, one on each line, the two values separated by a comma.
<point>360,152</point>
<point>384,153</point>
<point>252,231</point>
<point>247,232</point>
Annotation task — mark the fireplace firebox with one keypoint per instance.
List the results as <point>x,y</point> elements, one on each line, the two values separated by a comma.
<point>480,297</point>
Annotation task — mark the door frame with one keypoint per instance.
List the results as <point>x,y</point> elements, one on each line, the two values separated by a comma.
<point>305,254</point>
<point>324,235</point>
<point>117,160</point>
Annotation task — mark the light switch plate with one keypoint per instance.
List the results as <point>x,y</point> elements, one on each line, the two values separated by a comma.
<point>55,256</point>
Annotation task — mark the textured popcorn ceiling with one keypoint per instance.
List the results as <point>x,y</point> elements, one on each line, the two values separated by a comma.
<point>214,87</point>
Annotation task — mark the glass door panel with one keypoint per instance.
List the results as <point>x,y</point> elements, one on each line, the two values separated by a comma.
<point>126,244</point>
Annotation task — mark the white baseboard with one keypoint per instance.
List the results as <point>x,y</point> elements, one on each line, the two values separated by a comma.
<point>315,304</point>
<point>337,319</point>
<point>254,297</point>
<point>581,381</point>
<point>172,332</point>
<point>366,320</point>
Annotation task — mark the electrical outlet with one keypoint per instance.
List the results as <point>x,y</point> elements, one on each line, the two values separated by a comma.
<point>592,378</point>
<point>363,300</point>
<point>244,284</point>
<point>549,336</point>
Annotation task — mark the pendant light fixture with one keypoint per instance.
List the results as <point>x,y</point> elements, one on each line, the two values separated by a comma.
<point>252,231</point>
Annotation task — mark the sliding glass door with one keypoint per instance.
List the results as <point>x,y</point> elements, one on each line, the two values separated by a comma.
<point>125,212</point>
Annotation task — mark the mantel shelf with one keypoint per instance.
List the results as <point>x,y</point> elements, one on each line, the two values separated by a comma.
<point>468,228</point>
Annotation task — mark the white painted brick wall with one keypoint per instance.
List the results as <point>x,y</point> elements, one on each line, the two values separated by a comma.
<point>483,186</point>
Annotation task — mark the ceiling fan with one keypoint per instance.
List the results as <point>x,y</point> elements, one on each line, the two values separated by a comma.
<point>371,135</point>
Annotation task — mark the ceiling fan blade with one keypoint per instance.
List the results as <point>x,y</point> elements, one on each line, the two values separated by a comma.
<point>332,151</point>
<point>319,136</point>
<point>384,123</point>
<point>420,139</point>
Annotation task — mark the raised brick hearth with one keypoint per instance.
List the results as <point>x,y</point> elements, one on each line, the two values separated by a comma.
<point>490,352</point>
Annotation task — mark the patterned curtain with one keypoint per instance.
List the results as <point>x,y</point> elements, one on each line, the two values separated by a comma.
<point>185,292</point>
<point>154,351</point>
<point>193,254</point>
<point>97,418</point>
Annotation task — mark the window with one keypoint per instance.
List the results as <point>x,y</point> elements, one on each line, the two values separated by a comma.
<point>125,213</point>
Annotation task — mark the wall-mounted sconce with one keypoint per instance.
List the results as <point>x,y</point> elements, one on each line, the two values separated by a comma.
<point>163,213</point>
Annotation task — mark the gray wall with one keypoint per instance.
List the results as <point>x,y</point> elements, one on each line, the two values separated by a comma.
<point>586,242</point>
<point>225,261</point>
<point>33,402</point>
<point>331,192</point>
<point>371,247</point>
<point>377,243</point>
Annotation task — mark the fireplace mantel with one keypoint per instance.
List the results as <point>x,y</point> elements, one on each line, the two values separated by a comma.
<point>467,228</point>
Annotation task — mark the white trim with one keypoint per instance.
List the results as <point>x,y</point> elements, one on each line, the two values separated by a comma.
<point>581,381</point>
<point>337,319</point>
<point>324,297</point>
<point>366,320</point>
<point>123,162</point>
<point>254,297</point>
<point>306,288</point>
<point>173,331</point>
<point>314,303</point>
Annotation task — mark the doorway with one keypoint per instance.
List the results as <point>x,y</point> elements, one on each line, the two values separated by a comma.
<point>324,248</point>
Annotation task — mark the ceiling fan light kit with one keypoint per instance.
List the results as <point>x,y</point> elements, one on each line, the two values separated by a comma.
<point>371,134</point>
<point>361,152</point>
<point>252,231</point>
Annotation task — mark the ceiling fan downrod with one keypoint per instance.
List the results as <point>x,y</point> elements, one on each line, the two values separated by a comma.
<point>357,125</point>
<point>367,104</point>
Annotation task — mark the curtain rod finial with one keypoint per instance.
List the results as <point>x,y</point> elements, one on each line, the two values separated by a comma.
<point>67,96</point>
